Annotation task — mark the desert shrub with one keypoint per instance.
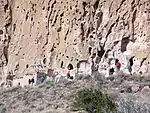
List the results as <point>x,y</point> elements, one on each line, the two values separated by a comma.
<point>94,101</point>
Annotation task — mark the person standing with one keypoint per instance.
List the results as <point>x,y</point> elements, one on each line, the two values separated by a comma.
<point>32,81</point>
<point>118,64</point>
<point>68,75</point>
<point>42,79</point>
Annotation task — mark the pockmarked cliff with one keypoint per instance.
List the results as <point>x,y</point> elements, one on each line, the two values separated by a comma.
<point>37,35</point>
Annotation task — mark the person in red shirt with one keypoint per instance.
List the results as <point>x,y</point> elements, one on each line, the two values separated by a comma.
<point>118,64</point>
<point>68,75</point>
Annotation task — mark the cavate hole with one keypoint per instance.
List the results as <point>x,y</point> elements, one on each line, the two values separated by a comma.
<point>90,49</point>
<point>44,61</point>
<point>70,66</point>
<point>5,8</point>
<point>62,14</point>
<point>62,63</point>
<point>131,61</point>
<point>14,27</point>
<point>31,18</point>
<point>27,66</point>
<point>1,32</point>
<point>124,44</point>
<point>27,16</point>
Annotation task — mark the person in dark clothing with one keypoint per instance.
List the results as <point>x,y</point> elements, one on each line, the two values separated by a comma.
<point>32,81</point>
<point>42,79</point>
<point>116,61</point>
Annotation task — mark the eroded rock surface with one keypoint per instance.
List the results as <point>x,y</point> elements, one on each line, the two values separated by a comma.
<point>37,35</point>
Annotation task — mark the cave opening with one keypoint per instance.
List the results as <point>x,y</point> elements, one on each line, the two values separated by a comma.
<point>124,43</point>
<point>70,66</point>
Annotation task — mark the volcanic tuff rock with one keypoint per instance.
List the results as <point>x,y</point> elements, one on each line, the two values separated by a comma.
<point>39,34</point>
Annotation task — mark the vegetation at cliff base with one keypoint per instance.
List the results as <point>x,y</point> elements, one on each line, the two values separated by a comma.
<point>94,101</point>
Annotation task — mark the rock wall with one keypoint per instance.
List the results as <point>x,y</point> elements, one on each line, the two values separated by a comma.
<point>41,34</point>
<point>5,35</point>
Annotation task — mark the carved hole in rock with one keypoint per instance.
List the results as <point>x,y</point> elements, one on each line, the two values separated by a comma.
<point>27,66</point>
<point>5,40</point>
<point>143,61</point>
<point>52,49</point>
<point>14,27</point>
<point>90,49</point>
<point>62,63</point>
<point>62,14</point>
<point>44,61</point>
<point>70,66</point>
<point>1,32</point>
<point>84,4</point>
<point>31,18</point>
<point>77,10</point>
<point>124,44</point>
<point>5,51</point>
<point>91,36</point>
<point>43,8</point>
<point>67,56</point>
<point>27,15</point>
<point>96,4</point>
<point>17,67</point>
<point>5,8</point>
<point>140,72</point>
<point>48,8</point>
<point>111,71</point>
<point>17,6</point>
<point>59,29</point>
<point>94,55</point>
<point>131,61</point>
<point>101,53</point>
<point>70,8</point>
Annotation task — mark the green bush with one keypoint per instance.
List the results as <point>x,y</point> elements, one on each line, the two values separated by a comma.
<point>94,101</point>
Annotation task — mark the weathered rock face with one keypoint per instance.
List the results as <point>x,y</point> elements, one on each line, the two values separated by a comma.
<point>5,30</point>
<point>53,33</point>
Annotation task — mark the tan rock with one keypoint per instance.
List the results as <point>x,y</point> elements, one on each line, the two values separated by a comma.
<point>58,32</point>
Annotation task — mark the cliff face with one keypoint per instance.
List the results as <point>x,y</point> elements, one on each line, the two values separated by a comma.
<point>41,34</point>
